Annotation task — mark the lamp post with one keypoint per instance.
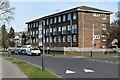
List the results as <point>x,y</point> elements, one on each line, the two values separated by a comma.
<point>71,32</point>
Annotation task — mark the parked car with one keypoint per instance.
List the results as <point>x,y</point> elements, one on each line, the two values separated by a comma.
<point>34,51</point>
<point>17,51</point>
<point>12,51</point>
<point>23,52</point>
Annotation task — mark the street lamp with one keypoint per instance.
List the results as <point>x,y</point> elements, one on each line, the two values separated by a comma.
<point>71,32</point>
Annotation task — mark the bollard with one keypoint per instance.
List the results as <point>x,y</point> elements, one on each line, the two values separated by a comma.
<point>91,54</point>
<point>43,64</point>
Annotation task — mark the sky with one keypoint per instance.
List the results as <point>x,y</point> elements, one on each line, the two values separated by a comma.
<point>27,10</point>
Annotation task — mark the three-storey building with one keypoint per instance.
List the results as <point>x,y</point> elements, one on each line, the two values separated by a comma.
<point>83,27</point>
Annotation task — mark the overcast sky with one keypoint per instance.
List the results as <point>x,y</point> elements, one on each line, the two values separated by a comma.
<point>28,10</point>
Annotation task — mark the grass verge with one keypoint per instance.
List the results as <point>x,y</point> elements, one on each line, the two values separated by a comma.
<point>33,71</point>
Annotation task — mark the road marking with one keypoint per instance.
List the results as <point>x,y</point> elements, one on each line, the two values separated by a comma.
<point>89,70</point>
<point>70,72</point>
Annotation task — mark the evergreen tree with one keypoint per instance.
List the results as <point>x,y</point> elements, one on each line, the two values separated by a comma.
<point>11,36</point>
<point>4,37</point>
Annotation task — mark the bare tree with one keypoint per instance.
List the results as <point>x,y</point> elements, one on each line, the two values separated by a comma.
<point>6,11</point>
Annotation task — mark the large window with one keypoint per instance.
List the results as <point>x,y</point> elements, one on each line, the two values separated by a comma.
<point>74,38</point>
<point>51,21</point>
<point>69,16</point>
<point>47,32</point>
<point>69,27</point>
<point>37,24</point>
<point>47,40</point>
<point>55,39</point>
<point>64,30</point>
<point>47,21</point>
<point>69,39</point>
<point>55,20</point>
<point>64,18</point>
<point>64,38</point>
<point>54,31</point>
<point>51,31</point>
<point>104,37</point>
<point>103,26</point>
<point>74,15</point>
<point>50,39</point>
<point>59,19</point>
<point>43,22</point>
<point>59,29</point>
<point>74,29</point>
<point>59,38</point>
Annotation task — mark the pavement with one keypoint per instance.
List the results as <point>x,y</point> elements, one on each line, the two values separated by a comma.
<point>77,67</point>
<point>9,70</point>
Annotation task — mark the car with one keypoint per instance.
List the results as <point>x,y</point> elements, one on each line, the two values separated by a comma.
<point>17,51</point>
<point>12,51</point>
<point>34,51</point>
<point>23,52</point>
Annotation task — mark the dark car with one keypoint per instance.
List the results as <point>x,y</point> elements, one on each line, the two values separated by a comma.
<point>23,52</point>
<point>12,51</point>
<point>17,51</point>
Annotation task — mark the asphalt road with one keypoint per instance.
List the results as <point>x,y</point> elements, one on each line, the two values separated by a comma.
<point>97,67</point>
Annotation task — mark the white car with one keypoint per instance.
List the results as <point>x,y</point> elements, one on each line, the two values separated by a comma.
<point>34,51</point>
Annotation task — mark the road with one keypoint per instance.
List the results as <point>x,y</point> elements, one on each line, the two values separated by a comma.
<point>65,67</point>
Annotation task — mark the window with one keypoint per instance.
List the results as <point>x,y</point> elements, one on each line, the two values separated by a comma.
<point>103,26</point>
<point>69,38</point>
<point>74,38</point>
<point>47,32</point>
<point>55,20</point>
<point>54,39</point>
<point>36,32</point>
<point>33,24</point>
<point>59,38</point>
<point>64,38</point>
<point>43,30</point>
<point>64,18</point>
<point>47,40</point>
<point>64,30</point>
<point>96,14</point>
<point>59,19</point>
<point>69,16</point>
<point>103,16</point>
<point>103,46</point>
<point>69,27</point>
<point>50,39</point>
<point>59,29</point>
<point>54,31</point>
<point>36,24</point>
<point>44,40</point>
<point>96,37</point>
<point>51,21</point>
<point>43,22</point>
<point>74,29</point>
<point>47,21</point>
<point>104,37</point>
<point>74,15</point>
<point>34,41</point>
<point>51,31</point>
